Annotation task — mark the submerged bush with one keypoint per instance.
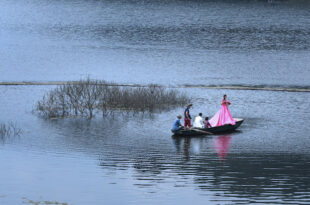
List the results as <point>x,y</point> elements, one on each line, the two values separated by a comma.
<point>85,97</point>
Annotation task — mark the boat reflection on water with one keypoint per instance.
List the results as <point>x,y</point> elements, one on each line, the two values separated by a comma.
<point>189,145</point>
<point>221,144</point>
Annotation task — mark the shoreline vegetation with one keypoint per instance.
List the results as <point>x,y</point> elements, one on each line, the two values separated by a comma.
<point>228,87</point>
<point>87,97</point>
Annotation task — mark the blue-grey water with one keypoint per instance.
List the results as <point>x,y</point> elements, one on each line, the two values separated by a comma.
<point>125,159</point>
<point>209,42</point>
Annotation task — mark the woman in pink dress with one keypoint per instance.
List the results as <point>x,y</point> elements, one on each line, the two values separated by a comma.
<point>223,116</point>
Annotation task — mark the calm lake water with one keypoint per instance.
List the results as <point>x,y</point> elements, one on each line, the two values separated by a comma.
<point>156,41</point>
<point>134,159</point>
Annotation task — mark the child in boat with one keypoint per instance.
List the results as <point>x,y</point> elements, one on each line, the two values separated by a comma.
<point>177,124</point>
<point>198,121</point>
<point>206,123</point>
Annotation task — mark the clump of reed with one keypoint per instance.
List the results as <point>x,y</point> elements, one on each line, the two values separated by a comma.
<point>9,130</point>
<point>86,97</point>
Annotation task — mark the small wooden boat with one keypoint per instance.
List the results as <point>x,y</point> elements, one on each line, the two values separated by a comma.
<point>205,131</point>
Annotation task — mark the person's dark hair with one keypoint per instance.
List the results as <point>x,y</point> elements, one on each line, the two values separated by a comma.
<point>200,114</point>
<point>206,118</point>
<point>224,96</point>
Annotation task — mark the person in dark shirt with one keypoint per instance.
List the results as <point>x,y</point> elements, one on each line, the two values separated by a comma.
<point>187,116</point>
<point>177,124</point>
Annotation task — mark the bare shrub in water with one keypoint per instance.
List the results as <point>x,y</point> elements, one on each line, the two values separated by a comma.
<point>141,99</point>
<point>85,97</point>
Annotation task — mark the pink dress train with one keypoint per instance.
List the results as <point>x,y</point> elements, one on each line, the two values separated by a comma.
<point>223,116</point>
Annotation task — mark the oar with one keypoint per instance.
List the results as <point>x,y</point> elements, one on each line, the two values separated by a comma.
<point>202,131</point>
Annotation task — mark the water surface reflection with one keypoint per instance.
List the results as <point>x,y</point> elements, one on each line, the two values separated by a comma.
<point>135,157</point>
<point>221,145</point>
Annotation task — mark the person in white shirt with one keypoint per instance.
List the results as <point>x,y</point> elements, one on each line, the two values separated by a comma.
<point>198,122</point>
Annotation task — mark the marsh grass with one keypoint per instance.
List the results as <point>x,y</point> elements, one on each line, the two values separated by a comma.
<point>29,201</point>
<point>87,97</point>
<point>9,129</point>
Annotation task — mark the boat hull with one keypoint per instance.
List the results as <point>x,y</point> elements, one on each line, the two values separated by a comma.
<point>213,130</point>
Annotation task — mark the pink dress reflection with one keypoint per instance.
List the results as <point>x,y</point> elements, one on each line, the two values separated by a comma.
<point>221,145</point>
<point>223,116</point>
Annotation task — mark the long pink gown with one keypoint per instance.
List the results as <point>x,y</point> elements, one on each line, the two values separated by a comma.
<point>223,116</point>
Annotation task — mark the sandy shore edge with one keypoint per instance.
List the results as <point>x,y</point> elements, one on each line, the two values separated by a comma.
<point>229,87</point>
